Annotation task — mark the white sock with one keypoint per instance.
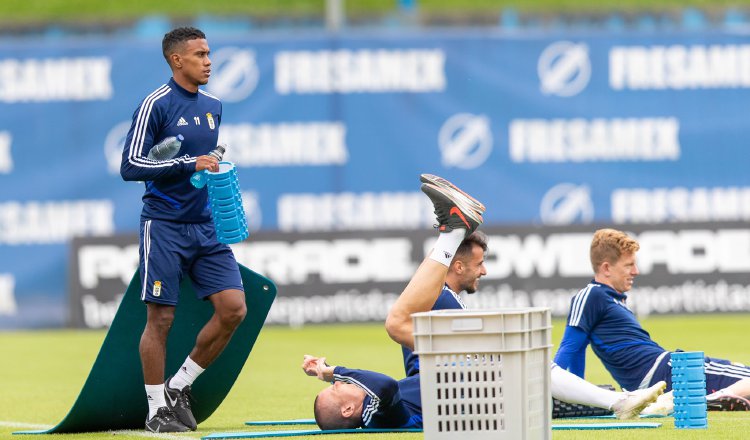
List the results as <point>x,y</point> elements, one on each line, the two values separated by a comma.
<point>570,388</point>
<point>155,397</point>
<point>186,375</point>
<point>446,245</point>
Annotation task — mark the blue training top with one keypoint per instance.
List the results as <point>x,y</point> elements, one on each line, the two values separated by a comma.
<point>389,403</point>
<point>168,111</point>
<point>599,315</point>
<point>448,299</point>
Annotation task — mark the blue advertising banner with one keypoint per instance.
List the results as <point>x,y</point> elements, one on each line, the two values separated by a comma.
<point>331,133</point>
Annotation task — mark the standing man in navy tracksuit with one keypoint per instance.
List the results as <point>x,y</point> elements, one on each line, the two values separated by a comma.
<point>177,235</point>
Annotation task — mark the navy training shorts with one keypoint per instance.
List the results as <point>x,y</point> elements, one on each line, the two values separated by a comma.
<point>168,250</point>
<point>720,373</point>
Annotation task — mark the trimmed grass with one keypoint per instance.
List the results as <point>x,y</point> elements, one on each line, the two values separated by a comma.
<point>35,11</point>
<point>42,373</point>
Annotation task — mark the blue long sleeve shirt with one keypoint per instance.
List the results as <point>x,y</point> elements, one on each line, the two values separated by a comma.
<point>168,111</point>
<point>599,316</point>
<point>388,403</point>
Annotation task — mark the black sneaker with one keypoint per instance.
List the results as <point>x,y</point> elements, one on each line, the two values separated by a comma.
<point>179,402</point>
<point>165,421</point>
<point>728,402</point>
<point>468,200</point>
<point>452,209</point>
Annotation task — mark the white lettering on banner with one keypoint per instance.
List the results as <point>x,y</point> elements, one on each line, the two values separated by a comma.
<point>679,67</point>
<point>566,255</point>
<point>534,255</point>
<point>8,305</point>
<point>360,71</point>
<point>334,261</point>
<point>354,306</point>
<point>660,205</point>
<point>6,159</point>
<point>36,222</point>
<point>317,143</point>
<point>99,314</point>
<point>58,79</point>
<point>581,140</point>
<point>96,262</point>
<point>695,251</point>
<point>350,211</point>
<point>691,297</point>
<point>343,306</point>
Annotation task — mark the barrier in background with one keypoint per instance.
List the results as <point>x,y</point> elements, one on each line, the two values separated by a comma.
<point>355,276</point>
<point>330,134</point>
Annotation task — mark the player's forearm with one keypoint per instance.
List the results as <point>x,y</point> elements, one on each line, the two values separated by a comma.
<point>148,170</point>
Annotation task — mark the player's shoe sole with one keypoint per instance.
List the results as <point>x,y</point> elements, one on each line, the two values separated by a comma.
<point>165,421</point>
<point>451,209</point>
<point>467,200</point>
<point>728,402</point>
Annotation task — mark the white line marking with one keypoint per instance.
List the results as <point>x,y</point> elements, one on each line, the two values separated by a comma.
<point>131,432</point>
<point>149,434</point>
<point>24,425</point>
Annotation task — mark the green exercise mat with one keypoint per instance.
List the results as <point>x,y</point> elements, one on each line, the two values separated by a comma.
<point>281,422</point>
<point>312,421</point>
<point>590,426</point>
<point>113,396</point>
<point>303,432</point>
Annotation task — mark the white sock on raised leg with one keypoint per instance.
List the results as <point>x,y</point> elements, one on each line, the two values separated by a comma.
<point>446,245</point>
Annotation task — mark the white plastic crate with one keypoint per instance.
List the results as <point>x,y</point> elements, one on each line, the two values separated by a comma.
<point>485,374</point>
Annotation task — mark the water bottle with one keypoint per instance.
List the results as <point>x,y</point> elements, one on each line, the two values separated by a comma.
<point>167,148</point>
<point>198,179</point>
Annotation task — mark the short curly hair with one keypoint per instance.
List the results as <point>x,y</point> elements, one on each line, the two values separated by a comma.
<point>175,37</point>
<point>609,245</point>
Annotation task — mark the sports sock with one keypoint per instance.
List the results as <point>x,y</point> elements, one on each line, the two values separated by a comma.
<point>446,245</point>
<point>186,375</point>
<point>570,388</point>
<point>155,397</point>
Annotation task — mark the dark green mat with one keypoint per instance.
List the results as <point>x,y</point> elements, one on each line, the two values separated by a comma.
<point>297,433</point>
<point>113,396</point>
<point>312,421</point>
<point>303,432</point>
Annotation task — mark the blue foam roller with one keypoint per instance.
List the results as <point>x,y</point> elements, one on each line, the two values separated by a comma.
<point>226,204</point>
<point>690,393</point>
<point>223,192</point>
<point>689,389</point>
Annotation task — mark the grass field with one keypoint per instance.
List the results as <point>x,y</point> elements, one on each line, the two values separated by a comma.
<point>32,11</point>
<point>42,372</point>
